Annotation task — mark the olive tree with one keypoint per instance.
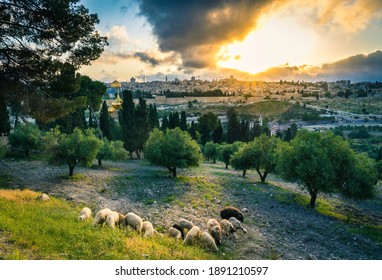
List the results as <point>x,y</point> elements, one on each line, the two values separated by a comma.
<point>172,149</point>
<point>323,162</point>
<point>26,137</point>
<point>111,150</point>
<point>77,147</point>
<point>211,151</point>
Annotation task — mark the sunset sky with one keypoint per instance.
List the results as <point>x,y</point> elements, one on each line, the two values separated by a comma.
<point>250,39</point>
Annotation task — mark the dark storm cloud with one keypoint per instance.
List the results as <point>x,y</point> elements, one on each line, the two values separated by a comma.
<point>197,28</point>
<point>146,58</point>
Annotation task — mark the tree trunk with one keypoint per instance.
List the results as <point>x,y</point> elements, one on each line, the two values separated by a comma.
<point>27,152</point>
<point>262,177</point>
<point>138,154</point>
<point>71,168</point>
<point>214,160</point>
<point>100,162</point>
<point>226,166</point>
<point>244,172</point>
<point>313,197</point>
<point>173,170</point>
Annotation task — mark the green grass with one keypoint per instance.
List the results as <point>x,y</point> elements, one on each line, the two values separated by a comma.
<point>374,232</point>
<point>32,229</point>
<point>264,108</point>
<point>5,180</point>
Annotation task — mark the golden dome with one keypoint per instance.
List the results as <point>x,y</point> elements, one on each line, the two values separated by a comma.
<point>117,103</point>
<point>115,84</point>
<point>111,110</point>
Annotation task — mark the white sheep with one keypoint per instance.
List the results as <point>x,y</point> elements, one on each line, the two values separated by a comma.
<point>227,227</point>
<point>134,221</point>
<point>185,224</point>
<point>192,235</point>
<point>85,214</point>
<point>209,241</point>
<point>100,217</point>
<point>148,230</point>
<point>237,224</point>
<point>112,219</point>
<point>44,197</point>
<point>173,232</point>
<point>214,230</point>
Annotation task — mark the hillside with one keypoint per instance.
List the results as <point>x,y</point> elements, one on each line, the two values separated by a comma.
<point>278,222</point>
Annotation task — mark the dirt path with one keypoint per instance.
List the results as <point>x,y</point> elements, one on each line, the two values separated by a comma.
<point>277,227</point>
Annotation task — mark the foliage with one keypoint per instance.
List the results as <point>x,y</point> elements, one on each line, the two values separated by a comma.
<point>323,162</point>
<point>38,38</point>
<point>127,121</point>
<point>217,134</point>
<point>3,149</point>
<point>211,151</point>
<point>5,126</point>
<point>206,124</point>
<point>111,150</point>
<point>233,126</point>
<point>104,121</point>
<point>142,127</point>
<point>227,150</point>
<point>259,155</point>
<point>26,137</point>
<point>79,146</point>
<point>172,149</point>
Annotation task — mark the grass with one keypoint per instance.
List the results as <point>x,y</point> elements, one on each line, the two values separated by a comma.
<point>264,108</point>
<point>32,229</point>
<point>374,232</point>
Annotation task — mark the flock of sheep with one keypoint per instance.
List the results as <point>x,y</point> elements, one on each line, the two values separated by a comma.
<point>232,219</point>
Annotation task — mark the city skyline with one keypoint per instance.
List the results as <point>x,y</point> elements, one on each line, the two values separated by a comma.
<point>264,40</point>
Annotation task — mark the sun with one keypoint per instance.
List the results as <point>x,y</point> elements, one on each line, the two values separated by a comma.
<point>276,41</point>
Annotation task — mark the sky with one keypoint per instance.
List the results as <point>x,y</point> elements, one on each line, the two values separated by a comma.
<point>250,39</point>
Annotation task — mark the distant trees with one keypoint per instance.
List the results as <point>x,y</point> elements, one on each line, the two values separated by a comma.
<point>217,134</point>
<point>25,137</point>
<point>226,151</point>
<point>233,126</point>
<point>172,149</point>
<point>207,123</point>
<point>323,162</point>
<point>77,147</point>
<point>127,121</point>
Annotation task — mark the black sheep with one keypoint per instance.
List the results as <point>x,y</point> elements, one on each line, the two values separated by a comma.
<point>229,211</point>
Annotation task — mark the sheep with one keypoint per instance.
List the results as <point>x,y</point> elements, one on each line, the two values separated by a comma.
<point>85,214</point>
<point>237,224</point>
<point>214,230</point>
<point>185,224</point>
<point>134,221</point>
<point>177,227</point>
<point>209,241</point>
<point>112,219</point>
<point>121,218</point>
<point>174,232</point>
<point>44,197</point>
<point>227,227</point>
<point>148,230</point>
<point>192,235</point>
<point>229,211</point>
<point>100,217</point>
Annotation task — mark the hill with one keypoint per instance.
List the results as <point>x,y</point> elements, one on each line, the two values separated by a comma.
<point>279,224</point>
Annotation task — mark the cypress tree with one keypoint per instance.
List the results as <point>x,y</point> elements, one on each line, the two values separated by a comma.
<point>233,132</point>
<point>143,126</point>
<point>128,121</point>
<point>176,118</point>
<point>165,123</point>
<point>156,116</point>
<point>193,131</point>
<point>104,121</point>
<point>217,134</point>
<point>183,121</point>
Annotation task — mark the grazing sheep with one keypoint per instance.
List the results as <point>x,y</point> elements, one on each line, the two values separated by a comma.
<point>147,229</point>
<point>229,211</point>
<point>214,230</point>
<point>227,227</point>
<point>192,235</point>
<point>174,232</point>
<point>100,217</point>
<point>176,226</point>
<point>85,214</point>
<point>44,197</point>
<point>185,225</point>
<point>134,221</point>
<point>121,218</point>
<point>209,241</point>
<point>112,219</point>
<point>237,224</point>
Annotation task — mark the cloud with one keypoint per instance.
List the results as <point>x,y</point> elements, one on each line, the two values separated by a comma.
<point>355,68</point>
<point>197,28</point>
